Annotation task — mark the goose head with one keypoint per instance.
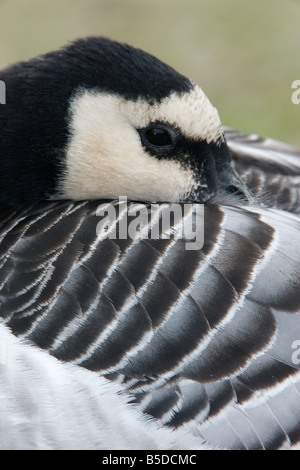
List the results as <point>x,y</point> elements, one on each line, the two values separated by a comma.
<point>99,119</point>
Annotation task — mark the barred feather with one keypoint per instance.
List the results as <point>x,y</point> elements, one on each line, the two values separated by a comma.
<point>199,340</point>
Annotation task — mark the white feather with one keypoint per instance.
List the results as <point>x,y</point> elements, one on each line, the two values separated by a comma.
<point>46,404</point>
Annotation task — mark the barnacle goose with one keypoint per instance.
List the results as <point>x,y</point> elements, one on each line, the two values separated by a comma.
<point>140,343</point>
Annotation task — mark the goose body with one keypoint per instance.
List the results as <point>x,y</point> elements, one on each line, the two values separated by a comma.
<point>158,347</point>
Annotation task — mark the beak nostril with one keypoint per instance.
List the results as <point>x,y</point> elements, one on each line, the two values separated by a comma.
<point>231,189</point>
<point>229,182</point>
<point>244,195</point>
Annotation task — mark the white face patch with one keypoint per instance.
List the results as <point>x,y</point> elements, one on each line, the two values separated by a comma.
<point>105,157</point>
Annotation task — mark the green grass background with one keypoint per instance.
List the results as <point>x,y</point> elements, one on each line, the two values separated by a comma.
<point>244,54</point>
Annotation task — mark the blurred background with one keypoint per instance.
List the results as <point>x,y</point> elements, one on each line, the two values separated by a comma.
<point>245,55</point>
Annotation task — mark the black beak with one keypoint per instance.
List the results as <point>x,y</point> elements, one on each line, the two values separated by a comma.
<point>229,182</point>
<point>212,163</point>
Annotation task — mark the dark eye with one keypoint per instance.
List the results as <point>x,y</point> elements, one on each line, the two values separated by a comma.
<point>158,137</point>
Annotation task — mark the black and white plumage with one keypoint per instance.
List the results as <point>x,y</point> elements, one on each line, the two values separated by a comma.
<point>270,168</point>
<point>100,119</point>
<point>201,341</point>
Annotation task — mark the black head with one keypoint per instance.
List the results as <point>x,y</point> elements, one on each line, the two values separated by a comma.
<point>100,119</point>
